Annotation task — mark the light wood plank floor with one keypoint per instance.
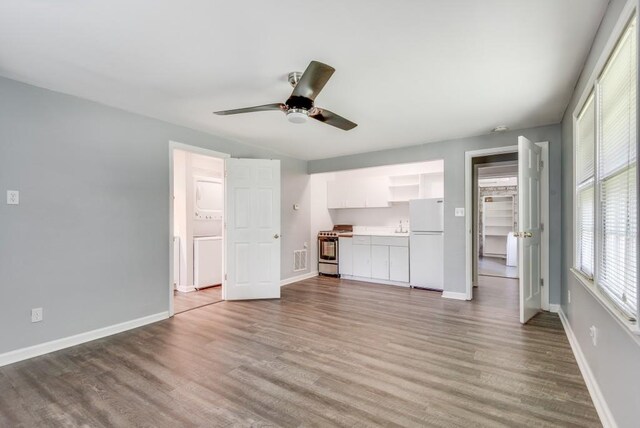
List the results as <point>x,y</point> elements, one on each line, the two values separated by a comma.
<point>329,353</point>
<point>186,301</point>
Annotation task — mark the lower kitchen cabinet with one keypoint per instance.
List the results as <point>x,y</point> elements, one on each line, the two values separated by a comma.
<point>381,259</point>
<point>399,264</point>
<point>380,262</point>
<point>362,260</point>
<point>345,256</point>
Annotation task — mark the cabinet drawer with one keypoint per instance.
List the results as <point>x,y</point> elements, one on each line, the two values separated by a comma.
<point>393,241</point>
<point>361,240</point>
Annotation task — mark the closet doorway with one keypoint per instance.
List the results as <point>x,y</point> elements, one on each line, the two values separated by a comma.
<point>197,201</point>
<point>496,216</point>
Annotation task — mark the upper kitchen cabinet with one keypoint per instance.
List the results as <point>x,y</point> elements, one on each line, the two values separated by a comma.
<point>366,192</point>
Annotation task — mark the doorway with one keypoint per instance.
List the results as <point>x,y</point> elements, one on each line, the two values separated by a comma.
<point>495,214</point>
<point>198,226</point>
<point>528,215</point>
<point>224,228</point>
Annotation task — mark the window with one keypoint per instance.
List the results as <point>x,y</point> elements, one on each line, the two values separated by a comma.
<point>606,177</point>
<point>585,177</point>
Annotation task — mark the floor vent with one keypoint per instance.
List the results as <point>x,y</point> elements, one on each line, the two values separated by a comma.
<point>299,260</point>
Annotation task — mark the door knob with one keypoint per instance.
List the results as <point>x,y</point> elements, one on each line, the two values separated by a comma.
<point>276,236</point>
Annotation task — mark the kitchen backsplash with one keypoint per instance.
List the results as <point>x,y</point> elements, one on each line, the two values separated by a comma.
<point>372,217</point>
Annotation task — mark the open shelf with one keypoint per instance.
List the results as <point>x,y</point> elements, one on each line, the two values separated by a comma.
<point>497,222</point>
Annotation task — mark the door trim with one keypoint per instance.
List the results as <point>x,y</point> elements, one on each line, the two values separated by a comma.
<point>174,145</point>
<point>468,195</point>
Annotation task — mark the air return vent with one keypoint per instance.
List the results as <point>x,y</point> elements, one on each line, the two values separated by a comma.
<point>299,260</point>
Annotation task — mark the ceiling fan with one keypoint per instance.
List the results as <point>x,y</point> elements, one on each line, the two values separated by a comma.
<point>300,105</point>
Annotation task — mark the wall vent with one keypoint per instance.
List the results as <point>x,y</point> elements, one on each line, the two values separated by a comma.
<point>299,260</point>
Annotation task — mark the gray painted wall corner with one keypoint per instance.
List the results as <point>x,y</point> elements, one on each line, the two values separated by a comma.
<point>89,241</point>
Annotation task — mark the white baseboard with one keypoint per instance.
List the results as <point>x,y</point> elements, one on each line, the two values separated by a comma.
<point>66,342</point>
<point>297,278</point>
<point>606,417</point>
<point>454,295</point>
<point>185,288</point>
<point>554,307</point>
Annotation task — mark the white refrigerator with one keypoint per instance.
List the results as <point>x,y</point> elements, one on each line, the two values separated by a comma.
<point>426,243</point>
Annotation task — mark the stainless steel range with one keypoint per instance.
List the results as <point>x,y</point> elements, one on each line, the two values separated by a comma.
<point>328,249</point>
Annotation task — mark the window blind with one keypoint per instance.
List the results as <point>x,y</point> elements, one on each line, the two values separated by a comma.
<point>585,169</point>
<point>616,175</point>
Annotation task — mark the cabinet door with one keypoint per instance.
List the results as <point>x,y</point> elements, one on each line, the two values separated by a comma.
<point>377,192</point>
<point>399,264</point>
<point>355,193</point>
<point>335,195</point>
<point>362,261</point>
<point>380,262</point>
<point>345,256</point>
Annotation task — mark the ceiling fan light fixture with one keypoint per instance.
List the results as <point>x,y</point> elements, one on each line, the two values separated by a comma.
<point>297,115</point>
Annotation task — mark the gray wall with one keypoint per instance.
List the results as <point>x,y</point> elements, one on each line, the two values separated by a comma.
<point>452,152</point>
<point>89,241</point>
<point>615,362</point>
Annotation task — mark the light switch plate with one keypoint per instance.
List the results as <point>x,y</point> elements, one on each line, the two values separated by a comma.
<point>13,197</point>
<point>459,212</point>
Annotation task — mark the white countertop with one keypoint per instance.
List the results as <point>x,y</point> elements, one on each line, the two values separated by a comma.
<point>396,234</point>
<point>378,231</point>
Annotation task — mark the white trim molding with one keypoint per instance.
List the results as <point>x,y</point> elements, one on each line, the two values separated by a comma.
<point>297,278</point>
<point>554,307</point>
<point>606,417</point>
<point>454,295</point>
<point>66,342</point>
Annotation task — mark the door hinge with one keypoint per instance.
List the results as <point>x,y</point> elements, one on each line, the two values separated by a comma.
<point>225,172</point>
<point>541,226</point>
<point>541,282</point>
<point>225,276</point>
<point>541,165</point>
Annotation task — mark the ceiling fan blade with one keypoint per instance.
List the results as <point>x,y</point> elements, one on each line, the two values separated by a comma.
<point>266,107</point>
<point>331,118</point>
<point>313,80</point>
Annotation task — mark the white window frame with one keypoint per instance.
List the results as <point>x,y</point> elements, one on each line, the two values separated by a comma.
<point>626,16</point>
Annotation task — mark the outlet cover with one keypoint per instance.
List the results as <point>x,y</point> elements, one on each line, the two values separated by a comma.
<point>459,212</point>
<point>13,197</point>
<point>36,314</point>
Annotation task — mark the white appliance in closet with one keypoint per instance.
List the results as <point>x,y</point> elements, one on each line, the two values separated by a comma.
<point>426,243</point>
<point>207,261</point>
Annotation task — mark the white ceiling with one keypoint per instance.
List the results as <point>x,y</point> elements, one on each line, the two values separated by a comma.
<point>407,72</point>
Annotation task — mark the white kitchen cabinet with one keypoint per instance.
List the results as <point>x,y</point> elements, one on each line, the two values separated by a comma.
<point>399,264</point>
<point>362,260</point>
<point>380,262</point>
<point>335,195</point>
<point>376,191</point>
<point>368,192</point>
<point>345,256</point>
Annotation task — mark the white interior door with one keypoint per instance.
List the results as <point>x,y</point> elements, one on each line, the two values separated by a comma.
<point>253,229</point>
<point>529,173</point>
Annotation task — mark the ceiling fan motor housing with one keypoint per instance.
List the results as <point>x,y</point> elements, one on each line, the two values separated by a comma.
<point>298,109</point>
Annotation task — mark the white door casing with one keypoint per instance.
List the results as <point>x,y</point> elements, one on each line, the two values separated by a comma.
<point>252,229</point>
<point>529,245</point>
